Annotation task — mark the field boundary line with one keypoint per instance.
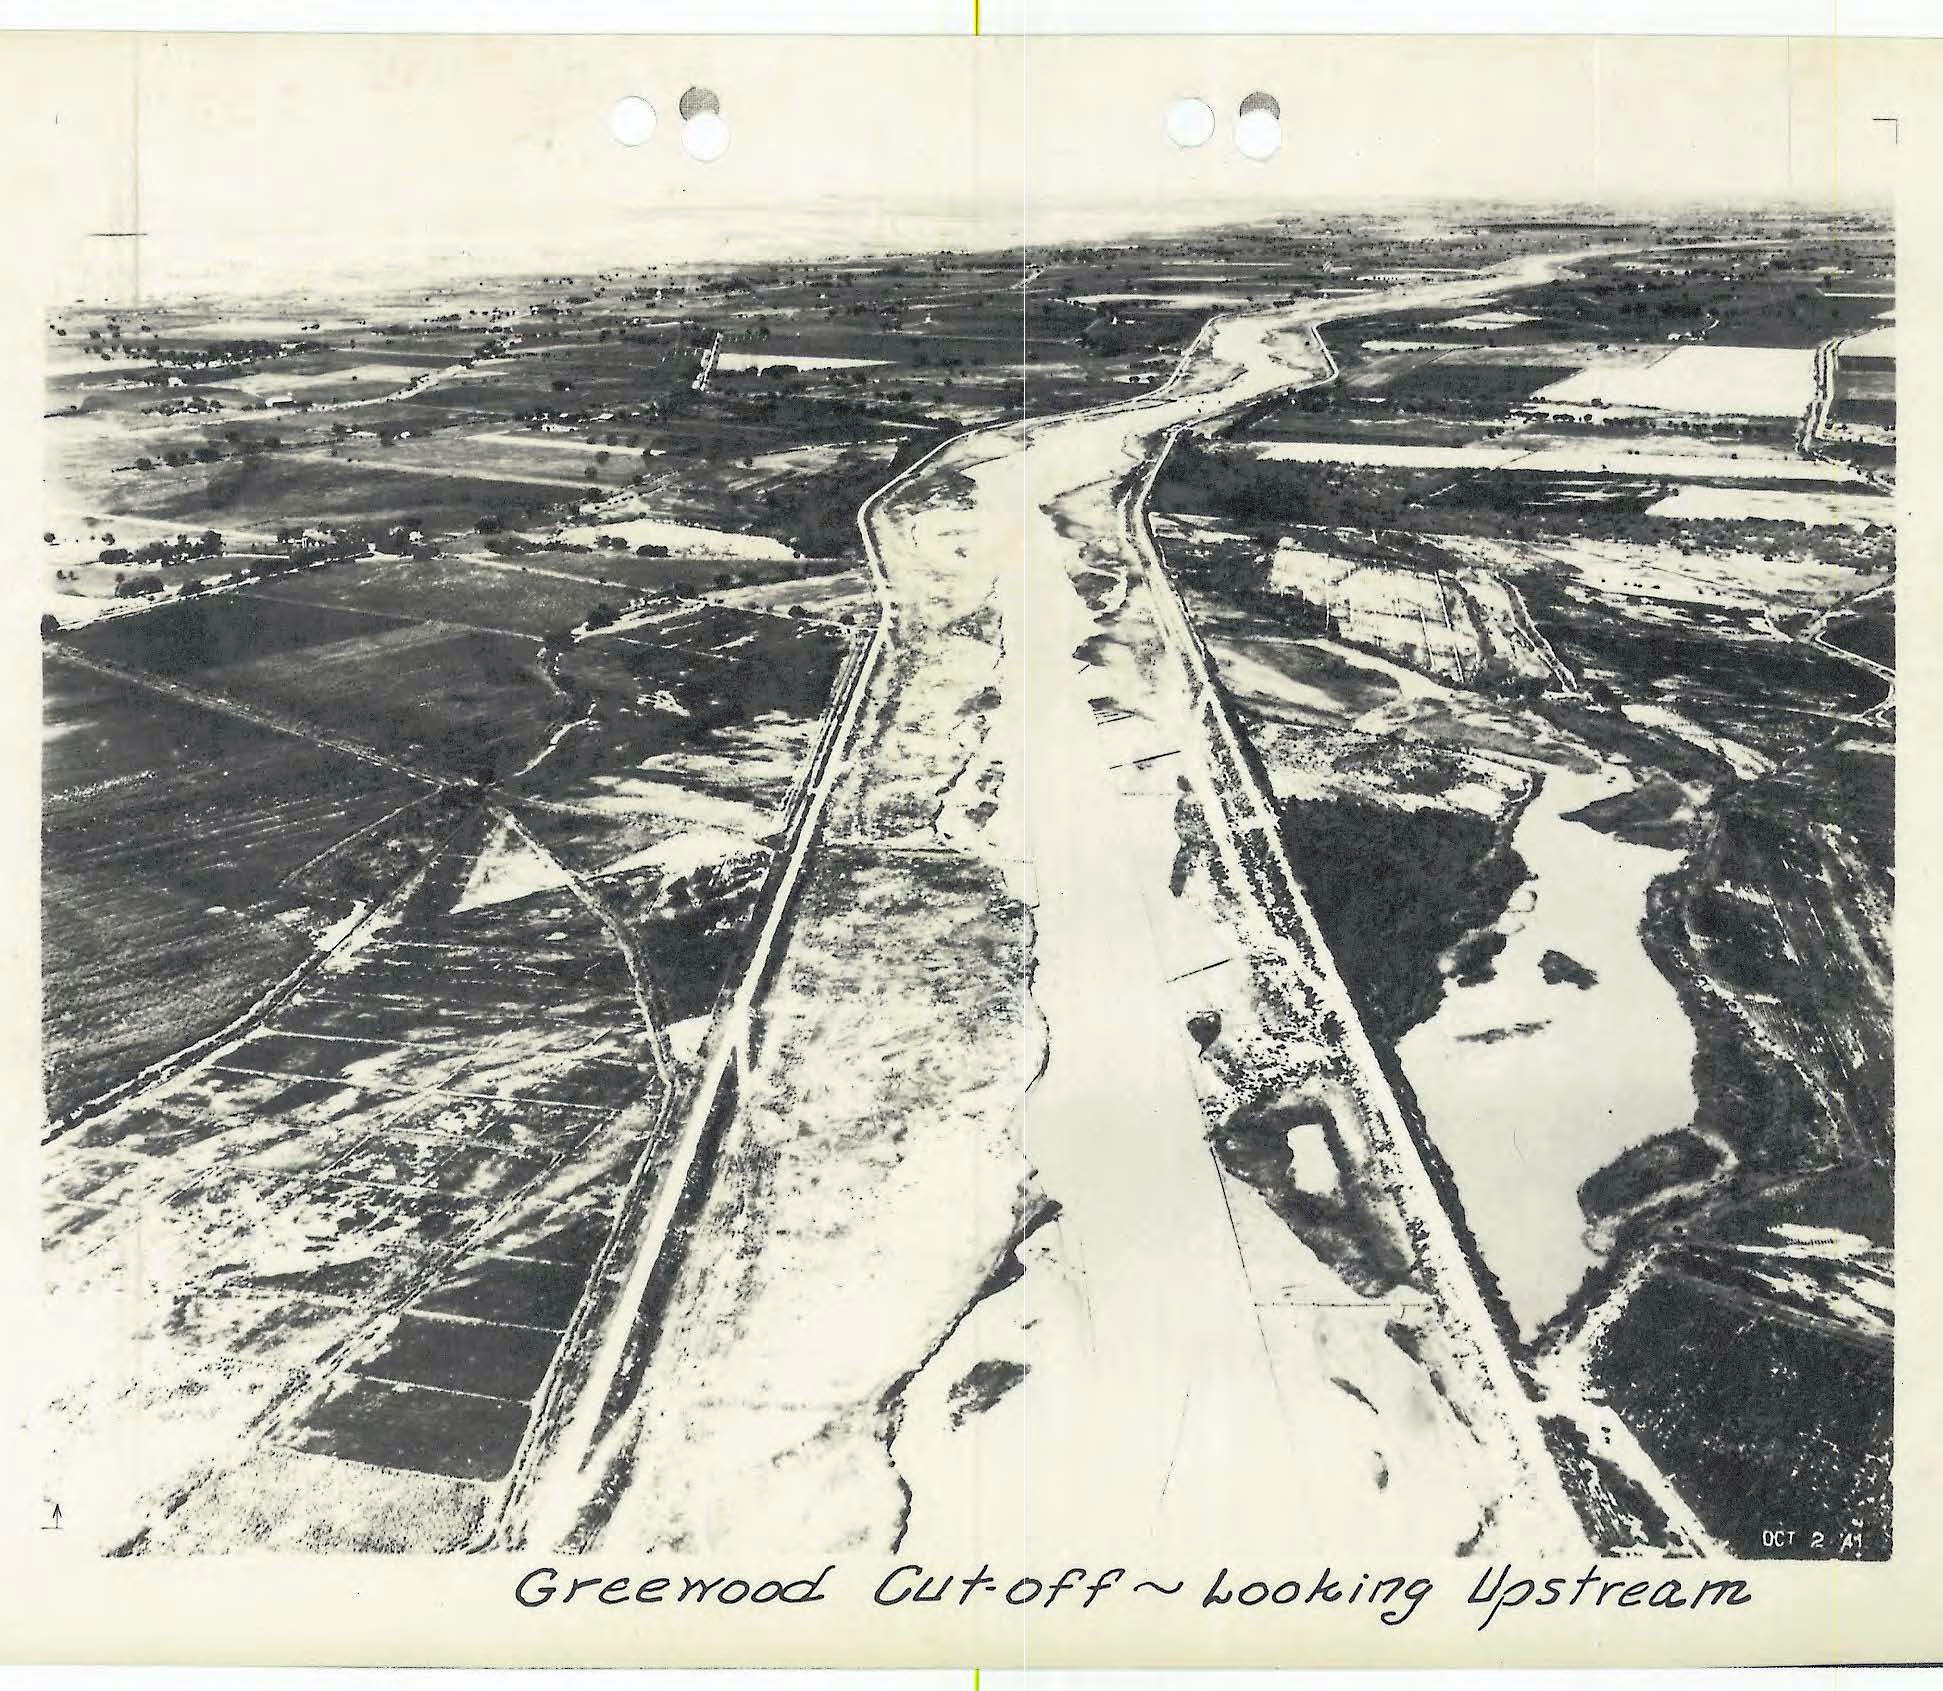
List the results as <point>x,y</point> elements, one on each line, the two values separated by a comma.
<point>257,718</point>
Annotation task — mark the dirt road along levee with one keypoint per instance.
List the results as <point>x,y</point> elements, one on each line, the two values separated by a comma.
<point>557,1481</point>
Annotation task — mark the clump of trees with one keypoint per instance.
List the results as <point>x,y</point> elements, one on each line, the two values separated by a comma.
<point>407,540</point>
<point>181,549</point>
<point>328,546</point>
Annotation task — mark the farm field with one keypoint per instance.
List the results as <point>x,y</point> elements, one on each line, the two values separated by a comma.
<point>463,699</point>
<point>175,841</point>
<point>1535,452</point>
<point>412,1166</point>
<point>1743,381</point>
<point>586,817</point>
<point>1769,504</point>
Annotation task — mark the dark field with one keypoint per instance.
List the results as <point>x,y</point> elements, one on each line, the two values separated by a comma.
<point>1759,913</point>
<point>1269,497</point>
<point>1424,398</point>
<point>1865,391</point>
<point>169,834</point>
<point>622,572</point>
<point>1870,631</point>
<point>468,702</point>
<point>312,488</point>
<point>454,590</point>
<point>193,854</point>
<point>1879,413</point>
<point>1779,1433</point>
<point>1736,297</point>
<point>1393,890</point>
<point>1762,692</point>
<point>399,1187</point>
<point>199,634</point>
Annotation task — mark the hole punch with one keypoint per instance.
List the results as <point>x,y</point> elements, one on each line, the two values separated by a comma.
<point>632,120</point>
<point>705,137</point>
<point>1258,128</point>
<point>1190,122</point>
<point>698,100</point>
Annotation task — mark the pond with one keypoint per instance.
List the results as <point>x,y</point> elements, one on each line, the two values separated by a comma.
<point>1574,1049</point>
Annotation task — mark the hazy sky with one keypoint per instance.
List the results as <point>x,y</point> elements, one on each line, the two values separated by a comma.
<point>257,158</point>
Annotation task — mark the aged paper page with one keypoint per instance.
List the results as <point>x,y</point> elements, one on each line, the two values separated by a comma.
<point>1061,851</point>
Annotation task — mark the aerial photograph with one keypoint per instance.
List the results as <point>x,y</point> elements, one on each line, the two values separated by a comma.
<point>1171,878</point>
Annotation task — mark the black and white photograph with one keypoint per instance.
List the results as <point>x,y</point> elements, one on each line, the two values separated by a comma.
<point>966,820</point>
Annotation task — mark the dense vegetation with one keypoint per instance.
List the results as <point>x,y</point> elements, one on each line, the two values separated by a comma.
<point>1394,890</point>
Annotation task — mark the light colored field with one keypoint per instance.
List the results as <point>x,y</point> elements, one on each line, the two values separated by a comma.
<point>801,361</point>
<point>1669,458</point>
<point>1309,762</point>
<point>1414,618</point>
<point>1715,579</point>
<point>1488,320</point>
<point>266,383</point>
<point>1872,343</point>
<point>824,455</point>
<point>683,540</point>
<point>1296,569</point>
<point>134,531</point>
<point>478,458</point>
<point>622,795</point>
<point>71,361</point>
<point>509,868</point>
<point>218,327</point>
<point>1451,624</point>
<point>819,595</point>
<point>682,854</point>
<point>1183,301</point>
<point>1817,510</point>
<point>1736,381</point>
<point>558,442</point>
<point>72,610</point>
<point>1550,352</point>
